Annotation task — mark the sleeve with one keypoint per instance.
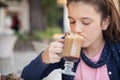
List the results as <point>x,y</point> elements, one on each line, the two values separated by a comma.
<point>34,70</point>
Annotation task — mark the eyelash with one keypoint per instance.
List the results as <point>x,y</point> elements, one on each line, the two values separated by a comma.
<point>86,23</point>
<point>72,22</point>
<point>82,22</point>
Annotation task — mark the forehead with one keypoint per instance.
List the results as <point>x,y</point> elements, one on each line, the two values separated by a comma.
<point>80,9</point>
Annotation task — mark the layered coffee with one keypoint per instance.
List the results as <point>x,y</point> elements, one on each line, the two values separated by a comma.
<point>72,46</point>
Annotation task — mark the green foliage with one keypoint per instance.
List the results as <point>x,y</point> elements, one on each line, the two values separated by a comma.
<point>46,3</point>
<point>53,12</point>
<point>40,35</point>
<point>47,34</point>
<point>21,36</point>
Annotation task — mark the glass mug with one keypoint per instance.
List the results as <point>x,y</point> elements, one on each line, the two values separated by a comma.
<point>71,51</point>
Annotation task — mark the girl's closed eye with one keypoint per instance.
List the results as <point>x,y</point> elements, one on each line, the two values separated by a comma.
<point>86,22</point>
<point>72,21</point>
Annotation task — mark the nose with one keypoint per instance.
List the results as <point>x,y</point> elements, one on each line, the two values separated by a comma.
<point>78,27</point>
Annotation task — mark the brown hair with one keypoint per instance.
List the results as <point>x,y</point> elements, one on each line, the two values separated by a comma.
<point>106,8</point>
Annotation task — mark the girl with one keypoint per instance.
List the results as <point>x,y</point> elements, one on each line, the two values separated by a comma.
<point>98,22</point>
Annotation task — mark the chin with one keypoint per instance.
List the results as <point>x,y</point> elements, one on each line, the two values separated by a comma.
<point>84,45</point>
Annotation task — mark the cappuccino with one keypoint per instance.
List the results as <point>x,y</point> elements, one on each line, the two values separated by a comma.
<point>72,46</point>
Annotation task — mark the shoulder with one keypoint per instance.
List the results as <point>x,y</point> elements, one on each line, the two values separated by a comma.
<point>117,45</point>
<point>114,45</point>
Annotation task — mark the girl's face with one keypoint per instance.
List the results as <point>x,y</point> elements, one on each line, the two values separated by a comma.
<point>86,21</point>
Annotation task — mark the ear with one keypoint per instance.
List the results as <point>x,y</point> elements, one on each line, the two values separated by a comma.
<point>105,23</point>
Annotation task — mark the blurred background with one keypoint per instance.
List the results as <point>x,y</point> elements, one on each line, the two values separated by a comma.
<point>26,29</point>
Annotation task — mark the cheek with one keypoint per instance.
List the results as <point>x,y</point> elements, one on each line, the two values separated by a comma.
<point>90,37</point>
<point>93,32</point>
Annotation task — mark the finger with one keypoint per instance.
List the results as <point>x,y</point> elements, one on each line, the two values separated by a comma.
<point>54,51</point>
<point>57,57</point>
<point>56,44</point>
<point>54,58</point>
<point>57,50</point>
<point>55,61</point>
<point>61,40</point>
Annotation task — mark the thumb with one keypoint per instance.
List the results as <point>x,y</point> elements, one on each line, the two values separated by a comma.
<point>61,40</point>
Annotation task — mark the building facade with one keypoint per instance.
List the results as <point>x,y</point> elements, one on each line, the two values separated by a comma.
<point>15,7</point>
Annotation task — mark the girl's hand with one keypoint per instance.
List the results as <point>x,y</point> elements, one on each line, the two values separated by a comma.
<point>53,53</point>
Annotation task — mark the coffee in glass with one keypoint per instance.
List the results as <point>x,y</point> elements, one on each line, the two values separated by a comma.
<point>71,51</point>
